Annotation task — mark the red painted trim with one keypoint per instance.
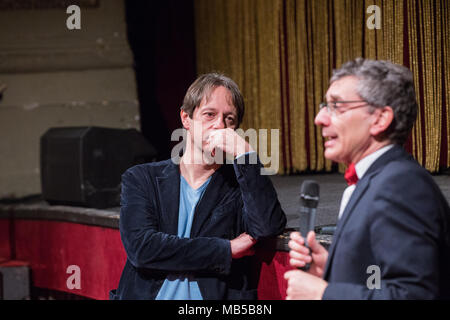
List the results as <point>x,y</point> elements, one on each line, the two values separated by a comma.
<point>51,247</point>
<point>13,263</point>
<point>5,245</point>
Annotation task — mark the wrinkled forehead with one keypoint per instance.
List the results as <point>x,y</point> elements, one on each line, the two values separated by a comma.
<point>343,89</point>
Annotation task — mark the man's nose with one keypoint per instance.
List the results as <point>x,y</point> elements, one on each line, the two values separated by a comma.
<point>219,123</point>
<point>322,118</point>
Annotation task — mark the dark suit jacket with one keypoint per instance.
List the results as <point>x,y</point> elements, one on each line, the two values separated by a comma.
<point>396,219</point>
<point>238,199</point>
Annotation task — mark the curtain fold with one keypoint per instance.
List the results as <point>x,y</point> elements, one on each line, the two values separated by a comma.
<point>282,53</point>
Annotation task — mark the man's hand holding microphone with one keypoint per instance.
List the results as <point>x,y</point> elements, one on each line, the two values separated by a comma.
<point>316,255</point>
<point>309,258</point>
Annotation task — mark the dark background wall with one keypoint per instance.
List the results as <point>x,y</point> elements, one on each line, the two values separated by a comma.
<point>161,36</point>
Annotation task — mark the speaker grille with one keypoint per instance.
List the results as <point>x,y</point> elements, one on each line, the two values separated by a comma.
<point>83,165</point>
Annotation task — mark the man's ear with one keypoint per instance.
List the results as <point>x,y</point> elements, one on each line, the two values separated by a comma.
<point>384,118</point>
<point>185,119</point>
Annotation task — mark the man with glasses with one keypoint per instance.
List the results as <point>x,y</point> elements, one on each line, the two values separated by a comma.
<point>392,239</point>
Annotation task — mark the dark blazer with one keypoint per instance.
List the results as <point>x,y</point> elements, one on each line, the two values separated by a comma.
<point>237,199</point>
<point>396,219</point>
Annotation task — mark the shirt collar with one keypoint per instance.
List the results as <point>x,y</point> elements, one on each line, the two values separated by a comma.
<point>364,164</point>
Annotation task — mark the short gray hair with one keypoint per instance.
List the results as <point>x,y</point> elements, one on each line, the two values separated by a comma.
<point>203,87</point>
<point>383,83</point>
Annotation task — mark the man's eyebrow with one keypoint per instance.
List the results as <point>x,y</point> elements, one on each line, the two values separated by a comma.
<point>335,97</point>
<point>208,108</point>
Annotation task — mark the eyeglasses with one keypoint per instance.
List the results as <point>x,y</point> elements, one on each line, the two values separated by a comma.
<point>334,109</point>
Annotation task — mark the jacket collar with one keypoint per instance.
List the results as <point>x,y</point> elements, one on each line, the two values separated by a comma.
<point>216,192</point>
<point>168,184</point>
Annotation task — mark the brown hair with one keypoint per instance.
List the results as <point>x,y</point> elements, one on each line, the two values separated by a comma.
<point>204,85</point>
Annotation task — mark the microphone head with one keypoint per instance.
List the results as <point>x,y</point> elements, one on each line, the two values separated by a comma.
<point>309,193</point>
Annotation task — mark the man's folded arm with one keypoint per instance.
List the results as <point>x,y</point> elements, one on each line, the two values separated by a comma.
<point>146,247</point>
<point>262,213</point>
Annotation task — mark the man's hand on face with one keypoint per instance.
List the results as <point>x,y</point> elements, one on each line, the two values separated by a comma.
<point>242,246</point>
<point>228,141</point>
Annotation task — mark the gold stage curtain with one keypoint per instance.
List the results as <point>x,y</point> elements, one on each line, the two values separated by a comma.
<point>282,53</point>
<point>242,39</point>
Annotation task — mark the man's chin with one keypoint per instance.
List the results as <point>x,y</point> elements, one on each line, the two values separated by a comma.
<point>331,155</point>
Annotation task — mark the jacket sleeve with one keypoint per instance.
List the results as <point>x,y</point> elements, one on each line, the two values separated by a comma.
<point>262,213</point>
<point>405,232</point>
<point>146,247</point>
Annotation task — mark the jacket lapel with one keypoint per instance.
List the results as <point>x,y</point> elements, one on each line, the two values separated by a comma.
<point>361,188</point>
<point>216,191</point>
<point>168,185</point>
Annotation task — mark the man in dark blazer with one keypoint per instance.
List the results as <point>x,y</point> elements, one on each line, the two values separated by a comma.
<point>189,226</point>
<point>392,239</point>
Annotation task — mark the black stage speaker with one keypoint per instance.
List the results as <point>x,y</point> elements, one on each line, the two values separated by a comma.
<point>82,166</point>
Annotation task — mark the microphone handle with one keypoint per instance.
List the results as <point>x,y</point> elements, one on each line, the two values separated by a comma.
<point>308,265</point>
<point>310,214</point>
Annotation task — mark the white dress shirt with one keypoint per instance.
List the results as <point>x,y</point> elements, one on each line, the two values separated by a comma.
<point>361,168</point>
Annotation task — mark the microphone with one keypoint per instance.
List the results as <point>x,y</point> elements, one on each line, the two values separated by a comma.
<point>309,199</point>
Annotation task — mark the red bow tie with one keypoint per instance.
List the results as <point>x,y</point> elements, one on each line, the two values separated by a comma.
<point>350,175</point>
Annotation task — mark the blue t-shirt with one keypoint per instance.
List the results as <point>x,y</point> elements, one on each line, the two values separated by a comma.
<point>183,287</point>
